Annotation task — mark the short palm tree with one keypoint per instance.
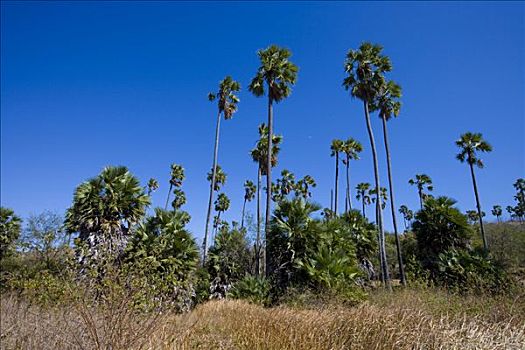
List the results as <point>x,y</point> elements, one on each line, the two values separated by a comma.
<point>422,182</point>
<point>388,105</point>
<point>104,210</point>
<point>279,74</point>
<point>227,102</point>
<point>336,147</point>
<point>469,144</point>
<point>249,195</point>
<point>365,70</point>
<point>497,211</point>
<point>363,195</point>
<point>351,149</point>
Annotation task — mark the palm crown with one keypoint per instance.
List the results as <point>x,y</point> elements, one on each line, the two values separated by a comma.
<point>420,181</point>
<point>227,100</point>
<point>177,175</point>
<point>336,147</point>
<point>362,192</point>
<point>387,101</point>
<point>365,68</point>
<point>277,71</point>
<point>113,200</point>
<point>249,190</point>
<point>260,152</point>
<point>220,177</point>
<point>352,148</point>
<point>470,143</point>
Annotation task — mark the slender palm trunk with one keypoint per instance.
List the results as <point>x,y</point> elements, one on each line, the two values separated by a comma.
<point>331,200</point>
<point>485,246</point>
<point>243,208</point>
<point>382,250</point>
<point>392,205</point>
<point>212,188</point>
<point>268,179</point>
<point>336,180</point>
<point>420,193</point>
<point>258,238</point>
<point>168,199</point>
<point>348,197</point>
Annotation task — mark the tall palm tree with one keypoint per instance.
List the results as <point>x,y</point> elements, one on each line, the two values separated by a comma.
<point>365,70</point>
<point>302,187</point>
<point>153,185</point>
<point>422,181</point>
<point>259,156</point>
<point>389,105</point>
<point>279,74</point>
<point>177,176</point>
<point>227,106</point>
<point>351,149</point>
<point>362,194</point>
<point>222,203</point>
<point>249,195</point>
<point>336,147</point>
<point>497,211</point>
<point>470,143</point>
<point>408,215</point>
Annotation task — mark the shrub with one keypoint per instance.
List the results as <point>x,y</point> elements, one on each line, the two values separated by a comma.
<point>254,289</point>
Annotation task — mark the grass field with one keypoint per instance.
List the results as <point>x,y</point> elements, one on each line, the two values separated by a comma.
<point>407,319</point>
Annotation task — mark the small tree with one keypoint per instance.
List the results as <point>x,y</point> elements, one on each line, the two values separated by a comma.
<point>249,195</point>
<point>497,212</point>
<point>422,182</point>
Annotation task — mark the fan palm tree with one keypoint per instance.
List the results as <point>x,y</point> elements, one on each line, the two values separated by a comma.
<point>259,156</point>
<point>365,70</point>
<point>227,106</point>
<point>222,203</point>
<point>383,195</point>
<point>249,195</point>
<point>422,181</point>
<point>279,74</point>
<point>336,147</point>
<point>351,149</point>
<point>363,195</point>
<point>153,185</point>
<point>177,176</point>
<point>497,211</point>
<point>389,106</point>
<point>470,144</point>
<point>105,209</point>
<point>302,187</point>
<point>408,215</point>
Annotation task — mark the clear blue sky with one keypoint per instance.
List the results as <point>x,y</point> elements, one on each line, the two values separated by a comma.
<point>85,85</point>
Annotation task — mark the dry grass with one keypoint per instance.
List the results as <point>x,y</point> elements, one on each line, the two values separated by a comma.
<point>411,319</point>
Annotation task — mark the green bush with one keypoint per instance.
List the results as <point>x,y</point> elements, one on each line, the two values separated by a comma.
<point>255,290</point>
<point>464,271</point>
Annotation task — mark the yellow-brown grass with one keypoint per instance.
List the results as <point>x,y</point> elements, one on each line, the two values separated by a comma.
<point>410,319</point>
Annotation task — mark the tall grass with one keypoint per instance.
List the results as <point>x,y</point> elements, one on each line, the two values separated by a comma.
<point>407,319</point>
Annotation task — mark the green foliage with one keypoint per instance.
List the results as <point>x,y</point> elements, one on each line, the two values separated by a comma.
<point>10,225</point>
<point>276,71</point>
<point>439,227</point>
<point>465,271</point>
<point>260,152</point>
<point>470,143</point>
<point>220,177</point>
<point>230,257</point>
<point>308,252</point>
<point>254,289</point>
<point>363,234</point>
<point>162,258</point>
<point>108,204</point>
<point>227,100</point>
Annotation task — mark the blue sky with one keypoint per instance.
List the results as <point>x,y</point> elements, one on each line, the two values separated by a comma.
<point>85,85</point>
